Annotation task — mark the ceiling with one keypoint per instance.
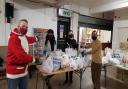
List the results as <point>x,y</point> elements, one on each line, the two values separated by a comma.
<point>84,3</point>
<point>88,3</point>
<point>32,4</point>
<point>37,4</point>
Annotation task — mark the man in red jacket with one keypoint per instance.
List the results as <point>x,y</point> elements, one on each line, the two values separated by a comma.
<point>18,56</point>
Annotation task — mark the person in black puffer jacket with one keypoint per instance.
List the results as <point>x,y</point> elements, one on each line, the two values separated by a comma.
<point>71,43</point>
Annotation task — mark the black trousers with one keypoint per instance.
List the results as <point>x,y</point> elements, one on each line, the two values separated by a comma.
<point>96,73</point>
<point>69,76</point>
<point>32,69</point>
<point>47,80</point>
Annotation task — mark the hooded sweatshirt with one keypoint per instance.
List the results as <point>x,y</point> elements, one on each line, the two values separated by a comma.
<point>17,55</point>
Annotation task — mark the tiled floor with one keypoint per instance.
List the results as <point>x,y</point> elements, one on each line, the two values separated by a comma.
<point>57,82</point>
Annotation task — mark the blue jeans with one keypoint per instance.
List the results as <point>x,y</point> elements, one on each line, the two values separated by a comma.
<point>20,83</point>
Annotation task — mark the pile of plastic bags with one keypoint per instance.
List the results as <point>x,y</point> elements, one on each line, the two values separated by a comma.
<point>59,59</point>
<point>111,56</point>
<point>124,58</point>
<point>71,52</point>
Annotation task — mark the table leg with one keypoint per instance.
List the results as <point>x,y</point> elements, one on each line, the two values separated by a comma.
<point>105,71</point>
<point>36,79</point>
<point>43,83</point>
<point>47,81</point>
<point>80,74</point>
<point>81,78</point>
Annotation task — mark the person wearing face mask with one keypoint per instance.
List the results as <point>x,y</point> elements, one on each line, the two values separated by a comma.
<point>50,38</point>
<point>96,59</point>
<point>71,43</point>
<point>18,57</point>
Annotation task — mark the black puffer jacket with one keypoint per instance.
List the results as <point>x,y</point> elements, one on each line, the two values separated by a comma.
<point>71,43</point>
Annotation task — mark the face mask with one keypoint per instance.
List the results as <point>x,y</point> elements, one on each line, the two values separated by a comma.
<point>23,31</point>
<point>71,36</point>
<point>94,38</point>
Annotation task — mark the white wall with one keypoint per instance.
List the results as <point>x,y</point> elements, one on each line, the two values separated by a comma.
<point>47,18</point>
<point>39,18</point>
<point>78,9</point>
<point>117,4</point>
<point>105,36</point>
<point>120,22</point>
<point>122,34</point>
<point>121,14</point>
<point>36,14</point>
<point>74,25</point>
<point>118,25</point>
<point>74,20</point>
<point>2,23</point>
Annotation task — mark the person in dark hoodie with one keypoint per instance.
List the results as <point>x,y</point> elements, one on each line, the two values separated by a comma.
<point>51,39</point>
<point>18,57</point>
<point>71,43</point>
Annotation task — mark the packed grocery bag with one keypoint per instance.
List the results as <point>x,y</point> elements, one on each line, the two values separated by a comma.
<point>107,58</point>
<point>87,60</point>
<point>71,52</point>
<point>47,64</point>
<point>111,56</point>
<point>65,61</point>
<point>56,64</point>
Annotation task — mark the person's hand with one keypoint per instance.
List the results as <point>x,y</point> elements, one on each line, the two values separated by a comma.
<point>37,61</point>
<point>36,58</point>
<point>37,38</point>
<point>89,52</point>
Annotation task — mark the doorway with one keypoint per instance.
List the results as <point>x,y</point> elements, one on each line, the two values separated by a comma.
<point>63,27</point>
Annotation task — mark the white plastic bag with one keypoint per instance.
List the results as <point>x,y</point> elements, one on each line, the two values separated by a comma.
<point>73,63</point>
<point>65,62</point>
<point>116,53</point>
<point>48,64</point>
<point>87,59</point>
<point>105,60</point>
<point>56,64</point>
<point>114,61</point>
<point>80,62</point>
<point>71,52</point>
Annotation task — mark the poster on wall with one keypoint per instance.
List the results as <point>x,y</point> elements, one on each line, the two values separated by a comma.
<point>61,31</point>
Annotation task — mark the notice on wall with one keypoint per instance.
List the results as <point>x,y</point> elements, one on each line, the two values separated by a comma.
<point>61,31</point>
<point>61,34</point>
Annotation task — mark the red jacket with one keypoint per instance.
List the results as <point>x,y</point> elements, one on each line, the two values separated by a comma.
<point>16,55</point>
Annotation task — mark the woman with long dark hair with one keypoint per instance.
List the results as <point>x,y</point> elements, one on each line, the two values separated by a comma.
<point>51,38</point>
